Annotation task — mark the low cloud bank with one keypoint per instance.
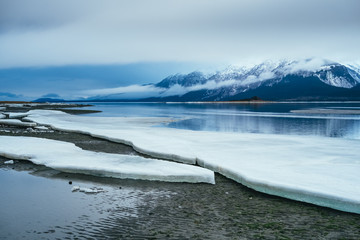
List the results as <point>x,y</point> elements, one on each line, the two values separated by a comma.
<point>145,91</point>
<point>232,76</point>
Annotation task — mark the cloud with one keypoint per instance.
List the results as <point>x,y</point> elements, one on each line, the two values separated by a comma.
<point>123,90</point>
<point>10,95</point>
<point>145,91</point>
<point>62,32</point>
<point>6,96</point>
<point>51,95</point>
<point>252,78</point>
<point>312,64</point>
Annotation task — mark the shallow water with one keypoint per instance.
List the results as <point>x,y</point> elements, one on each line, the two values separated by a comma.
<point>34,207</point>
<point>41,205</point>
<point>272,118</point>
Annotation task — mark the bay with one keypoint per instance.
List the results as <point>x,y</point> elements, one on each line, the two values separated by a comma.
<point>269,118</point>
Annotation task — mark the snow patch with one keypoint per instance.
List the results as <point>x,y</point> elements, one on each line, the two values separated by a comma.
<point>9,162</point>
<point>335,81</point>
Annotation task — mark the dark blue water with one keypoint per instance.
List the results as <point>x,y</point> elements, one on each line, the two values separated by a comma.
<point>271,118</point>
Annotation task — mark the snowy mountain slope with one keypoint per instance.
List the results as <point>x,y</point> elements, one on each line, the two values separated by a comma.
<point>307,79</point>
<point>313,77</point>
<point>187,80</point>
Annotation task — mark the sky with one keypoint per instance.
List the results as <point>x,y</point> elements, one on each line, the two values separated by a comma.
<point>105,44</point>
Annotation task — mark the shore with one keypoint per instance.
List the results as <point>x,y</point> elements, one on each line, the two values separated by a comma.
<point>226,210</point>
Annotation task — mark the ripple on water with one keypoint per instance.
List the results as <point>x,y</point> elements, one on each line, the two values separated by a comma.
<point>41,208</point>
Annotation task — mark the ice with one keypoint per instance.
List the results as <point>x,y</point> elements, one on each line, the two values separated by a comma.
<point>17,115</point>
<point>9,162</point>
<point>93,190</point>
<point>16,122</point>
<point>75,188</point>
<point>42,128</point>
<point>318,170</point>
<point>14,105</point>
<point>2,108</point>
<point>2,116</point>
<point>69,158</point>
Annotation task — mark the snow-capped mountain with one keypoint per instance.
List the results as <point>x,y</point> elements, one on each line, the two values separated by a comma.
<point>306,79</point>
<point>188,80</point>
<point>309,79</point>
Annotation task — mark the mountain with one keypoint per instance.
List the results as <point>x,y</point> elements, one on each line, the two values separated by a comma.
<point>309,79</point>
<point>295,80</point>
<point>188,80</point>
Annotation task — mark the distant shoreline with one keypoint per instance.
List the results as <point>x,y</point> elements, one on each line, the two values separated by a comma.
<point>82,103</point>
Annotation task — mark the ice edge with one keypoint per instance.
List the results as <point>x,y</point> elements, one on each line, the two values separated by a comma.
<point>324,200</point>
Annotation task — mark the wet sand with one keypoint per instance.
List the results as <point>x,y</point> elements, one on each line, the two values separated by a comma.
<point>158,210</point>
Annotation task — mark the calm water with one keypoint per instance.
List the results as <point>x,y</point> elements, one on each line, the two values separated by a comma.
<point>39,207</point>
<point>272,118</point>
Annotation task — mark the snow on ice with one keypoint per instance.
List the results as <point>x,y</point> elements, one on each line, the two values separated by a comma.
<point>18,115</point>
<point>69,158</point>
<point>318,170</point>
<point>16,122</point>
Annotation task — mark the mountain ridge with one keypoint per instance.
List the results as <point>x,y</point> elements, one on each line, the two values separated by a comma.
<point>309,79</point>
<point>284,80</point>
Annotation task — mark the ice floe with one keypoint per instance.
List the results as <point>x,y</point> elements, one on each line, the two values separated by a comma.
<point>16,122</point>
<point>17,115</point>
<point>69,158</point>
<point>9,162</point>
<point>2,116</point>
<point>318,170</point>
<point>41,128</point>
<point>93,190</point>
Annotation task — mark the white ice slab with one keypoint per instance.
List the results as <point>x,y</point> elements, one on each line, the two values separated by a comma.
<point>2,116</point>
<point>41,128</point>
<point>14,105</point>
<point>17,115</point>
<point>16,122</point>
<point>9,162</point>
<point>93,190</point>
<point>319,170</point>
<point>69,158</point>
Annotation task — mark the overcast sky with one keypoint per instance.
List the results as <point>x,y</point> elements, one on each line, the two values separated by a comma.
<point>58,32</point>
<point>44,33</point>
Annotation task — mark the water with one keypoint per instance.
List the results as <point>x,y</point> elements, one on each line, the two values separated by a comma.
<point>38,207</point>
<point>270,118</point>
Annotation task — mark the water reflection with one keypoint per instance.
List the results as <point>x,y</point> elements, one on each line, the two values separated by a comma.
<point>32,207</point>
<point>343,128</point>
<point>271,118</point>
